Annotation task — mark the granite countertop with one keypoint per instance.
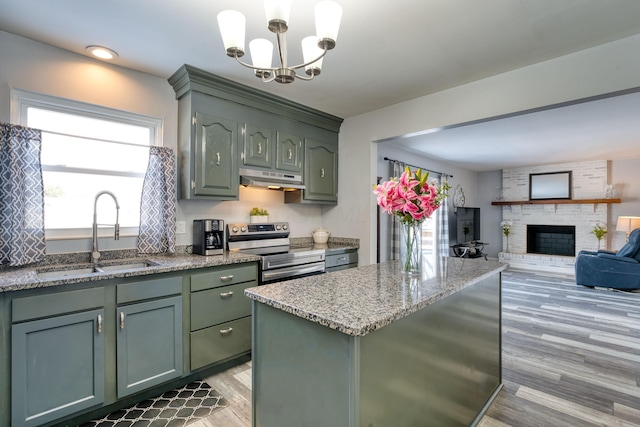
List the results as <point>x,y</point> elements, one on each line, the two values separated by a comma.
<point>360,300</point>
<point>27,277</point>
<point>17,279</point>
<point>335,244</point>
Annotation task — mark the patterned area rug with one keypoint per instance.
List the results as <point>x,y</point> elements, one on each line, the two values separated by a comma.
<point>174,408</point>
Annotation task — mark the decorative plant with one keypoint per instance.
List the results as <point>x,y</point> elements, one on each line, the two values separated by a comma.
<point>258,212</point>
<point>599,230</point>
<point>506,227</point>
<point>412,199</point>
<point>506,230</point>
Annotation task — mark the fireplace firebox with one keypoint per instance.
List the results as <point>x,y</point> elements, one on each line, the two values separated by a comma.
<point>551,239</point>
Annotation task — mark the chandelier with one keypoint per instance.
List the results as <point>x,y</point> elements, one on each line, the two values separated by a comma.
<point>314,48</point>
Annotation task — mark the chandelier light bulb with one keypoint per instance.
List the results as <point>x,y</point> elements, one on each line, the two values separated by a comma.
<point>277,12</point>
<point>311,50</point>
<point>328,15</point>
<point>232,26</point>
<point>261,54</point>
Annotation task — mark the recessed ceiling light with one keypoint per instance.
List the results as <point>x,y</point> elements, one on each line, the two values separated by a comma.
<point>102,52</point>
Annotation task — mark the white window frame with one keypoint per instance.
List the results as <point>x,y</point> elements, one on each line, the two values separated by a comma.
<point>22,100</point>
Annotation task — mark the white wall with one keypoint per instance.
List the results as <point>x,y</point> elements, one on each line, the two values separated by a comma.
<point>625,177</point>
<point>33,66</point>
<point>489,185</point>
<point>603,69</point>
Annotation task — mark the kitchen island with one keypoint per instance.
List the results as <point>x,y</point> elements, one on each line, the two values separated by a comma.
<point>369,347</point>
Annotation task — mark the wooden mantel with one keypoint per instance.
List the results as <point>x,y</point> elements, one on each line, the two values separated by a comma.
<point>555,202</point>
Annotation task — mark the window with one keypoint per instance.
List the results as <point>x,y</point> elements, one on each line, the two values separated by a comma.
<point>87,149</point>
<point>430,229</point>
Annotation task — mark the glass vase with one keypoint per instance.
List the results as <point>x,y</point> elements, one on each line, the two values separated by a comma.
<point>411,248</point>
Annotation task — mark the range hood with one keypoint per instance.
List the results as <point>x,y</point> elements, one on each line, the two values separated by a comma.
<point>270,179</point>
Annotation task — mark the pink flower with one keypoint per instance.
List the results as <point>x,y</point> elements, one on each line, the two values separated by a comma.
<point>410,197</point>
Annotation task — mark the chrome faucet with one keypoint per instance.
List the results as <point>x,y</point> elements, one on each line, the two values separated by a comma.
<point>95,254</point>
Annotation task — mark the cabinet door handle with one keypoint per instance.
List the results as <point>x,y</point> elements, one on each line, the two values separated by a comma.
<point>99,323</point>
<point>321,172</point>
<point>290,154</point>
<point>226,331</point>
<point>259,147</point>
<point>224,295</point>
<point>226,278</point>
<point>218,159</point>
<point>122,320</point>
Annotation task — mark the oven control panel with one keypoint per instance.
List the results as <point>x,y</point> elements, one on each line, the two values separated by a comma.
<point>258,231</point>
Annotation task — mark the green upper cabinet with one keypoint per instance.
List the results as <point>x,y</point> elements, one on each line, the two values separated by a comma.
<point>289,152</point>
<point>320,174</point>
<point>258,146</point>
<point>211,112</point>
<point>216,168</point>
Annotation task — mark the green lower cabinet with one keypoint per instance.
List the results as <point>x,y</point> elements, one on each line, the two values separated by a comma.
<point>342,260</point>
<point>220,342</point>
<point>67,359</point>
<point>149,344</point>
<point>57,367</point>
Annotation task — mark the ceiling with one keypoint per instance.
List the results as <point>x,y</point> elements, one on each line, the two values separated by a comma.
<point>386,53</point>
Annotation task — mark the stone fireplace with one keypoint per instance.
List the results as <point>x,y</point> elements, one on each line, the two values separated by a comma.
<point>588,180</point>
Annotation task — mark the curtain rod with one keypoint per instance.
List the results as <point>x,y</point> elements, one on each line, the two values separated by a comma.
<point>420,167</point>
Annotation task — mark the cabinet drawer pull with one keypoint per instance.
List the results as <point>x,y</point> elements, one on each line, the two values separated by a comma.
<point>344,258</point>
<point>122,320</point>
<point>99,323</point>
<point>226,331</point>
<point>224,295</point>
<point>226,278</point>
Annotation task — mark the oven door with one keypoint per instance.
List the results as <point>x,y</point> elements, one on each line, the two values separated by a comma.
<point>291,272</point>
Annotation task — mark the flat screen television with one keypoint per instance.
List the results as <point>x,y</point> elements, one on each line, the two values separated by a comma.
<point>467,224</point>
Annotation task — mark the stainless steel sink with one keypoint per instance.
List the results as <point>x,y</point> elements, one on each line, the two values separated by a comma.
<point>63,272</point>
<point>108,266</point>
<point>126,266</point>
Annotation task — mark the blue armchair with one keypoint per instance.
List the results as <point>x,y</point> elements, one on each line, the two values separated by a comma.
<point>618,270</point>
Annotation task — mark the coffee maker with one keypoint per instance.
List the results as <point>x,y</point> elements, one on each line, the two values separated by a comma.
<point>208,236</point>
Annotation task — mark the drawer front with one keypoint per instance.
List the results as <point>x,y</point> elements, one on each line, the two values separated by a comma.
<point>219,305</point>
<point>220,342</point>
<point>341,267</point>
<point>224,276</point>
<point>148,289</point>
<point>56,303</point>
<point>341,259</point>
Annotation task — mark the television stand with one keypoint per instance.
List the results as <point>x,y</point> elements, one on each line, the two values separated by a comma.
<point>472,249</point>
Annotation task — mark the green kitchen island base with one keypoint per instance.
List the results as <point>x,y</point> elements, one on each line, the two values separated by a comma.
<point>437,364</point>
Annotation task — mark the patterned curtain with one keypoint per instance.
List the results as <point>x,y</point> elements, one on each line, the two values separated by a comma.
<point>158,204</point>
<point>397,168</point>
<point>21,196</point>
<point>443,229</point>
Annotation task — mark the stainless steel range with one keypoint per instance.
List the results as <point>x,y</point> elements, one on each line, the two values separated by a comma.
<point>279,261</point>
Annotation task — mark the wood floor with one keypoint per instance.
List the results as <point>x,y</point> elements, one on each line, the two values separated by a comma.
<point>571,357</point>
